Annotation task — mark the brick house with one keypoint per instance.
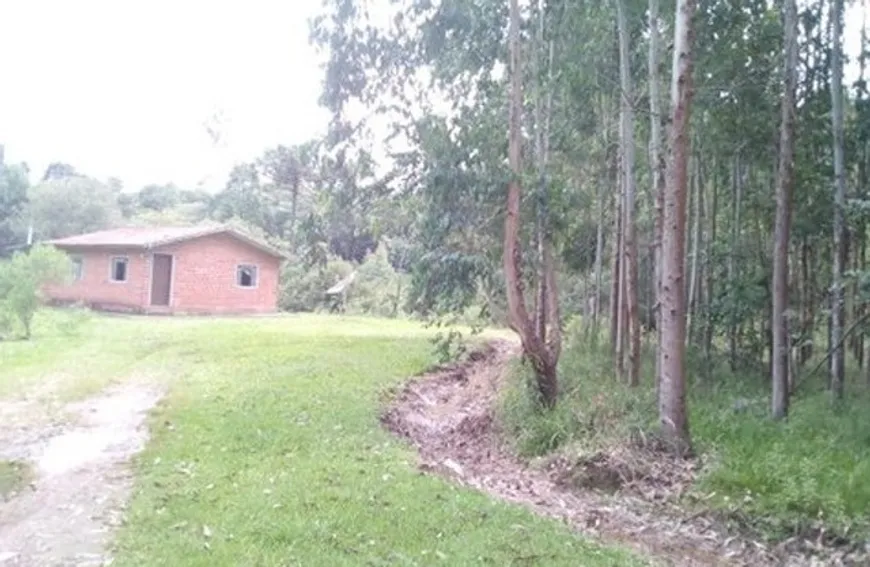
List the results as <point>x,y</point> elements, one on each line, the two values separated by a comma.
<point>212,269</point>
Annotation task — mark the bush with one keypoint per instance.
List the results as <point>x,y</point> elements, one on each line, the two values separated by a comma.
<point>378,288</point>
<point>593,410</point>
<point>303,288</point>
<point>21,280</point>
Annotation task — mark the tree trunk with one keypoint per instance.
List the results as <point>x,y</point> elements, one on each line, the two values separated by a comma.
<point>737,184</point>
<point>672,398</point>
<point>809,301</point>
<point>616,330</point>
<point>865,192</point>
<point>599,260</point>
<point>837,292</point>
<point>709,328</point>
<point>538,349</point>
<point>626,139</point>
<point>695,273</point>
<point>657,159</point>
<point>784,187</point>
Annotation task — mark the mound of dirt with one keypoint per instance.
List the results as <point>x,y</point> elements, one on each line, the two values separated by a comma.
<point>629,497</point>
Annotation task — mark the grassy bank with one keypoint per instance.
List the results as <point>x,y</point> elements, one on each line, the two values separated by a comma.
<point>779,478</point>
<point>267,449</point>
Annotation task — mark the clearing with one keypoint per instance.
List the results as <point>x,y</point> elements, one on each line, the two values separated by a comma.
<point>265,449</point>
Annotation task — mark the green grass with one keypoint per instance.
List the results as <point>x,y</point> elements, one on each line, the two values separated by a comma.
<point>776,478</point>
<point>267,449</point>
<point>14,475</point>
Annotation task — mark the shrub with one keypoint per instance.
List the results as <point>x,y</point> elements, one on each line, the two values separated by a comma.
<point>21,280</point>
<point>303,288</point>
<point>378,288</point>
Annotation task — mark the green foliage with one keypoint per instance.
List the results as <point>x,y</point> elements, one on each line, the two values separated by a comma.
<point>72,205</point>
<point>777,478</point>
<point>59,170</point>
<point>21,280</point>
<point>594,409</point>
<point>158,197</point>
<point>14,475</point>
<point>781,477</point>
<point>378,288</point>
<point>13,200</point>
<point>303,287</point>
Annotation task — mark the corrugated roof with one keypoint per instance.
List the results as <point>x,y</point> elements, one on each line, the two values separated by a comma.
<point>154,237</point>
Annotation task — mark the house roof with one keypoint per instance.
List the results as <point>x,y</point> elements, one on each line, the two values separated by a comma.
<point>155,237</point>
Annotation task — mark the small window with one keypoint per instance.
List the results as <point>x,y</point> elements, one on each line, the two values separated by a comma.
<point>246,276</point>
<point>119,269</point>
<point>77,268</point>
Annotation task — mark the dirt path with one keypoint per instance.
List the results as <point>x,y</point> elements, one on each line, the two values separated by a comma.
<point>448,415</point>
<point>79,455</point>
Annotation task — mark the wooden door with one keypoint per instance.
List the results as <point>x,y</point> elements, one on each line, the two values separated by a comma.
<point>161,279</point>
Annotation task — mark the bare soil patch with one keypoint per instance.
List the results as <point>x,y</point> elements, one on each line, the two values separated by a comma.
<point>78,460</point>
<point>626,496</point>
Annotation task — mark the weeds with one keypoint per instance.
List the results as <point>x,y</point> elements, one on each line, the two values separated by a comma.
<point>776,478</point>
<point>13,476</point>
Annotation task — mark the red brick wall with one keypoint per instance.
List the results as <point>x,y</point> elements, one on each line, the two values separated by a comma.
<point>96,288</point>
<point>204,277</point>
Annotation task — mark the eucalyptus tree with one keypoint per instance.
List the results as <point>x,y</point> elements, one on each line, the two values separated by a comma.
<point>656,160</point>
<point>784,188</point>
<point>672,393</point>
<point>628,288</point>
<point>457,51</point>
<point>838,299</point>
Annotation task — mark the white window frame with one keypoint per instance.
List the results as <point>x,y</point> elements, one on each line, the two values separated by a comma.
<point>112,261</point>
<point>256,269</point>
<point>76,260</point>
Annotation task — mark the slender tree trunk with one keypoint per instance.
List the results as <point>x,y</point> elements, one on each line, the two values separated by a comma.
<point>627,146</point>
<point>733,331</point>
<point>599,254</point>
<point>709,327</point>
<point>809,301</point>
<point>672,398</point>
<point>837,295</point>
<point>784,184</point>
<point>657,159</point>
<point>542,353</point>
<point>864,188</point>
<point>624,330</point>
<point>541,195</point>
<point>615,286</point>
<point>695,274</point>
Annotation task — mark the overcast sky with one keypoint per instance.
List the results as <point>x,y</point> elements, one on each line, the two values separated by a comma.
<point>122,88</point>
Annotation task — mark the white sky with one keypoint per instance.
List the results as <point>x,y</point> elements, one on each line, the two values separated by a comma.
<point>122,88</point>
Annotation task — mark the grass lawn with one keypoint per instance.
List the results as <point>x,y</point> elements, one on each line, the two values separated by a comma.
<point>267,449</point>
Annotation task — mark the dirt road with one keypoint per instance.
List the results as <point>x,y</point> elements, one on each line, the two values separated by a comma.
<point>79,456</point>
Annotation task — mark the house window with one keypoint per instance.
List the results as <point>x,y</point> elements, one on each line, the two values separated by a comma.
<point>77,268</point>
<point>119,269</point>
<point>246,275</point>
